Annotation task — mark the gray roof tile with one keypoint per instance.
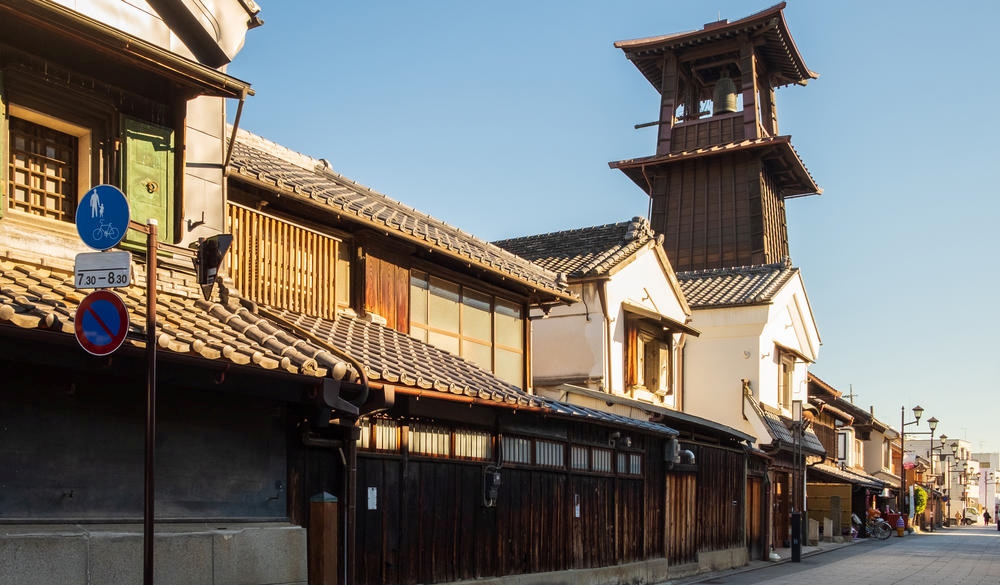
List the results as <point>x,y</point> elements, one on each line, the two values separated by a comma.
<point>589,251</point>
<point>742,285</point>
<point>256,159</point>
<point>233,330</point>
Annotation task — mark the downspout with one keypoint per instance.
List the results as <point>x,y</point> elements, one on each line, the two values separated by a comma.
<point>681,347</point>
<point>350,479</point>
<point>236,126</point>
<point>602,293</point>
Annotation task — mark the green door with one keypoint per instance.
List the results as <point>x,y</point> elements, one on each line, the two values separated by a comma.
<point>148,179</point>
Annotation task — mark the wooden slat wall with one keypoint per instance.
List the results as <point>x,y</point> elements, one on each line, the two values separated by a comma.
<point>720,498</point>
<point>430,526</point>
<point>706,210</point>
<point>282,265</point>
<point>755,519</point>
<point>682,519</point>
<point>712,131</point>
<point>387,291</point>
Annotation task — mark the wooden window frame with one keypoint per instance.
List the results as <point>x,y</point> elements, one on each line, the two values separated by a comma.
<point>81,166</point>
<point>639,334</point>
<point>786,379</point>
<point>423,279</point>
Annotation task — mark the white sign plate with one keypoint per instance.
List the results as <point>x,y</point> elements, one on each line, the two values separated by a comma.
<point>103,270</point>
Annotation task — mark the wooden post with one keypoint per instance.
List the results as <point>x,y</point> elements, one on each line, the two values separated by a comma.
<point>324,528</point>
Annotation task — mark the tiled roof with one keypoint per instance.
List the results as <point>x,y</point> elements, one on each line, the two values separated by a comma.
<point>742,285</point>
<point>235,331</point>
<point>776,150</point>
<point>843,475</point>
<point>781,433</point>
<point>35,297</point>
<point>582,252</point>
<point>776,46</point>
<point>275,167</point>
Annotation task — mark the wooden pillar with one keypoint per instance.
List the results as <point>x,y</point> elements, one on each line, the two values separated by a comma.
<point>324,527</point>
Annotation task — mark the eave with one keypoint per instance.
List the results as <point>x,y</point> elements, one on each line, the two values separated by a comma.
<point>776,152</point>
<point>46,19</point>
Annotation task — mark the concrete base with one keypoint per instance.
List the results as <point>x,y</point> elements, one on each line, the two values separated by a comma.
<point>721,560</point>
<point>184,554</point>
<point>639,573</point>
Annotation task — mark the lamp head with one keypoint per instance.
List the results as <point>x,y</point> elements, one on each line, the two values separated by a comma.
<point>918,411</point>
<point>954,448</point>
<point>943,439</point>
<point>932,423</point>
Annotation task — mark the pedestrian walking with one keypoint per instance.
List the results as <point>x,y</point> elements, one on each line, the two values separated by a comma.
<point>986,517</point>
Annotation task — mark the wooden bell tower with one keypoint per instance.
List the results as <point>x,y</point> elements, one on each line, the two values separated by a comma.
<point>721,173</point>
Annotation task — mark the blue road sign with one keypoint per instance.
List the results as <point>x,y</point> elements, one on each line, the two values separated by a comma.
<point>101,322</point>
<point>102,217</point>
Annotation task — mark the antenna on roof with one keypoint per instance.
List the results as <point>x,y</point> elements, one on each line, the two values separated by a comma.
<point>851,395</point>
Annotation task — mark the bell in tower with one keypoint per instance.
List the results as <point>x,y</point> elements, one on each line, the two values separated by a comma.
<point>724,96</point>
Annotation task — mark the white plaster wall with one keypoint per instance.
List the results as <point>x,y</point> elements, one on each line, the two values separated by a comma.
<point>572,341</point>
<point>642,282</point>
<point>727,351</point>
<point>569,342</point>
<point>737,343</point>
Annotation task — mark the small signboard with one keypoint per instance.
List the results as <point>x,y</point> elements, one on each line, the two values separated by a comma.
<point>102,217</point>
<point>101,322</point>
<point>103,270</point>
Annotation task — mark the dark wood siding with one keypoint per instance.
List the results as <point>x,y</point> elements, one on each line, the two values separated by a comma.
<point>721,129</point>
<point>430,524</point>
<point>682,520</point>
<point>387,290</point>
<point>720,498</point>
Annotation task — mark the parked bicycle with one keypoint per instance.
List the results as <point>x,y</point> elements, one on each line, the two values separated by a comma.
<point>876,527</point>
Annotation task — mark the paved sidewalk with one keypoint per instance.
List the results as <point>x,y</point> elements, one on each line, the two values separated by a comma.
<point>784,553</point>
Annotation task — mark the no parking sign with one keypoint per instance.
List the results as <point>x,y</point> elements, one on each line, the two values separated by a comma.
<point>101,322</point>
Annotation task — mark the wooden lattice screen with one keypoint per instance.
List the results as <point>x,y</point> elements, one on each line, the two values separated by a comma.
<point>282,265</point>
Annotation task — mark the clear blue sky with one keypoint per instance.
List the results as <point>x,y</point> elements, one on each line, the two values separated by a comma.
<point>500,118</point>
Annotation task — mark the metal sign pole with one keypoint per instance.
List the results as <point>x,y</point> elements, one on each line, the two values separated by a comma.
<point>148,513</point>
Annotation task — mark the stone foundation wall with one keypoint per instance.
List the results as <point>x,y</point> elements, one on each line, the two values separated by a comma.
<point>272,554</point>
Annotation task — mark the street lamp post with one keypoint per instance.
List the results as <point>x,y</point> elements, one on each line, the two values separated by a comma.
<point>933,482</point>
<point>949,469</point>
<point>932,424</point>
<point>799,425</point>
<point>918,411</point>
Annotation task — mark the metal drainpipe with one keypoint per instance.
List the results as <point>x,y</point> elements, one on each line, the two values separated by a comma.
<point>352,452</point>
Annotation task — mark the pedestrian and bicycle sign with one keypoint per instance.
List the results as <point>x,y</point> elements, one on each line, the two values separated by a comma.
<point>101,322</point>
<point>102,217</point>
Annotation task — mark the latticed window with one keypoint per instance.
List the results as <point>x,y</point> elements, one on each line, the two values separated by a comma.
<point>473,444</point>
<point>378,434</point>
<point>430,440</point>
<point>516,450</point>
<point>42,170</point>
<point>602,460</point>
<point>549,454</point>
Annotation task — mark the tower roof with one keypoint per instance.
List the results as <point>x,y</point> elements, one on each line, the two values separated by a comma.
<point>768,27</point>
<point>776,151</point>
